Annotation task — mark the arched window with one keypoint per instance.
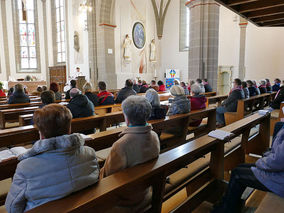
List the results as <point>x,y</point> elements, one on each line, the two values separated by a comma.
<point>184,34</point>
<point>26,37</point>
<point>60,41</point>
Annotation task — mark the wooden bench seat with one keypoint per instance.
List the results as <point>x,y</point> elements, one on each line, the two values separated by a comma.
<point>25,119</point>
<point>271,203</point>
<point>248,106</point>
<point>216,99</point>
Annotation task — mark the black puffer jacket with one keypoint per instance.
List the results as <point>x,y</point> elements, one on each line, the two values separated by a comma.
<point>80,106</point>
<point>124,93</point>
<point>93,98</point>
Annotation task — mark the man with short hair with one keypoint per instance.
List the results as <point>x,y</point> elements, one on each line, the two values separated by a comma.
<point>138,144</point>
<point>18,95</point>
<point>105,97</point>
<point>231,103</point>
<point>47,97</point>
<point>125,92</point>
<point>73,85</point>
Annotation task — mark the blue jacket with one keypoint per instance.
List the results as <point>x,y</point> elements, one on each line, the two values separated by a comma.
<point>269,169</point>
<point>18,98</point>
<point>52,169</point>
<point>180,105</point>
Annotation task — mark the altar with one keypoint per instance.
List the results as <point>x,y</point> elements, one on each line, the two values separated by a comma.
<point>30,85</point>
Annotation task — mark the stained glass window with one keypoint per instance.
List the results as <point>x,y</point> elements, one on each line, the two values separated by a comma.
<point>27,35</point>
<point>60,31</point>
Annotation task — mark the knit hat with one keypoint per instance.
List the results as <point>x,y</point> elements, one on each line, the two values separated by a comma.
<point>177,90</point>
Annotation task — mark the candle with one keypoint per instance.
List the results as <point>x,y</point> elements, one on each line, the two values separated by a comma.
<point>155,73</point>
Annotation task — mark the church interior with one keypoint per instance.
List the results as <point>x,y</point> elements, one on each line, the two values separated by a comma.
<point>142,106</point>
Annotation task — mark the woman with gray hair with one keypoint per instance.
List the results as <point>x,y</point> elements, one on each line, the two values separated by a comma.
<point>138,144</point>
<point>180,103</point>
<point>158,112</point>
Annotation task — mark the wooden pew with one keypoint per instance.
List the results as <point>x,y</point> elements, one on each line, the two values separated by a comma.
<point>25,120</point>
<point>216,99</point>
<point>248,106</point>
<point>281,113</point>
<point>12,115</point>
<point>103,195</point>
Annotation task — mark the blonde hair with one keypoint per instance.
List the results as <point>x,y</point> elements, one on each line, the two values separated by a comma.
<point>87,87</point>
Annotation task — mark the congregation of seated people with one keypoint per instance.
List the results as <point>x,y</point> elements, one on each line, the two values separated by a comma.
<point>58,152</point>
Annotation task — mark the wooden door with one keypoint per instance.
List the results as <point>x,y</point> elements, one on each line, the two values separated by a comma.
<point>58,74</point>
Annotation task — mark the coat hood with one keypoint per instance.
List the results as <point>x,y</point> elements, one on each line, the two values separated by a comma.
<point>79,100</point>
<point>64,142</point>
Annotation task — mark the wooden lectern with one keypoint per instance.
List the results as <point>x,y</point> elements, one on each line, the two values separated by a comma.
<point>81,80</point>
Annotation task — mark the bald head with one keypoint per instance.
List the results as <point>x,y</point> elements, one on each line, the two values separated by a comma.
<point>74,92</point>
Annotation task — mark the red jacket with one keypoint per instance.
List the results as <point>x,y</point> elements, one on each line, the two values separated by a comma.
<point>162,88</point>
<point>2,94</point>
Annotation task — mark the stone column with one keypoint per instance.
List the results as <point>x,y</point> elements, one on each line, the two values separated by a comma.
<point>204,40</point>
<point>5,38</point>
<point>243,30</point>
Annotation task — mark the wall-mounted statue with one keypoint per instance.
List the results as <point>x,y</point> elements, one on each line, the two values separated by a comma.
<point>127,48</point>
<point>153,51</point>
<point>76,41</point>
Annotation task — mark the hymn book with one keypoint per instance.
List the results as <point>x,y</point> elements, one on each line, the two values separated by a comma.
<point>220,134</point>
<point>12,153</point>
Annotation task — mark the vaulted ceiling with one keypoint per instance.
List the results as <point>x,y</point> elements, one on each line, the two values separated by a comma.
<point>263,13</point>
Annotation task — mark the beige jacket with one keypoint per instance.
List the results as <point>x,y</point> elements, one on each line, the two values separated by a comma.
<point>136,146</point>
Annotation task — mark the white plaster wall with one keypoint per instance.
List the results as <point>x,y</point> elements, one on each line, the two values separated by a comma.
<point>76,23</point>
<point>171,57</point>
<point>125,17</point>
<point>264,53</point>
<point>229,43</point>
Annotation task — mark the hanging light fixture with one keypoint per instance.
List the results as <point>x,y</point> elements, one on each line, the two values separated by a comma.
<point>85,7</point>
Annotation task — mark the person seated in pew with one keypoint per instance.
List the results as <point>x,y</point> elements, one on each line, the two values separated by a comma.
<point>18,95</point>
<point>73,85</point>
<point>144,87</point>
<point>105,97</point>
<point>158,111</point>
<point>136,87</point>
<point>138,144</point>
<point>44,88</point>
<point>191,82</point>
<point>162,86</point>
<point>262,87</point>
<point>268,85</point>
<point>57,165</point>
<point>199,82</point>
<point>267,174</point>
<point>54,87</point>
<point>197,101</point>
<point>279,98</point>
<point>79,105</point>
<point>245,89</point>
<point>207,86</point>
<point>10,91</point>
<point>2,93</point>
<point>87,88</point>
<point>256,87</point>
<point>47,97</point>
<point>125,92</point>
<point>231,103</point>
<point>38,91</point>
<point>180,104</point>
<point>186,91</point>
<point>154,85</point>
<point>251,88</point>
<point>276,85</point>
